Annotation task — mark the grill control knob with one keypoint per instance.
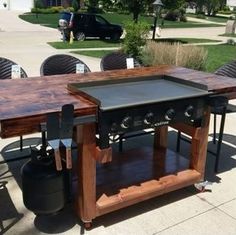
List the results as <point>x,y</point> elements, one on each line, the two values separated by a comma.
<point>149,118</point>
<point>170,114</point>
<point>126,122</point>
<point>114,127</point>
<point>189,111</point>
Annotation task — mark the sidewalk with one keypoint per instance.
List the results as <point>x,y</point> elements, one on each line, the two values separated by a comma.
<point>182,212</point>
<point>26,43</point>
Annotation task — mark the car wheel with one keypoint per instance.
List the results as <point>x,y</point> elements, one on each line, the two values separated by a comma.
<point>115,36</point>
<point>80,36</point>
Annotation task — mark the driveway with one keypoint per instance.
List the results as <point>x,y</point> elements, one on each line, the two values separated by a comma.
<point>26,43</point>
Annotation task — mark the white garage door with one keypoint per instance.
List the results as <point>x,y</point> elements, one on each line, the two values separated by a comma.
<point>22,5</point>
<point>231,3</point>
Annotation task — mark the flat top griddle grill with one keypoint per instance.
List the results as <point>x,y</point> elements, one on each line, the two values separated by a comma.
<point>126,93</point>
<point>133,104</point>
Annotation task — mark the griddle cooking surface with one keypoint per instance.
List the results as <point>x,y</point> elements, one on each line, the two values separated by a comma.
<point>113,96</point>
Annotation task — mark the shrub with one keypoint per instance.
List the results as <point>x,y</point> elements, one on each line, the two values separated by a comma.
<point>38,4</point>
<point>201,16</point>
<point>50,10</point>
<point>75,5</point>
<point>135,38</point>
<point>183,18</point>
<point>231,41</point>
<point>188,56</point>
<point>172,15</point>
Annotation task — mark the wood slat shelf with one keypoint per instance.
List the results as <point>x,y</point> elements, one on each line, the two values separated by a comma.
<point>140,174</point>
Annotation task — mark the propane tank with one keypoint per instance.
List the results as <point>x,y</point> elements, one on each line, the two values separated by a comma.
<point>44,188</point>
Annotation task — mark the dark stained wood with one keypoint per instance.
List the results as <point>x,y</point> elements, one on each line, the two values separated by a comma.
<point>24,102</point>
<point>103,155</point>
<point>136,175</point>
<point>160,137</point>
<point>86,190</point>
<point>199,142</point>
<point>199,145</point>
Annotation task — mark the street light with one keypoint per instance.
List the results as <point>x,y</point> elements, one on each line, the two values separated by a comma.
<point>157,5</point>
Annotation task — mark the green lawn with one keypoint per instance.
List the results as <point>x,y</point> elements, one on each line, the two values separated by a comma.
<point>232,35</point>
<point>94,43</point>
<point>216,19</point>
<point>219,55</point>
<point>51,20</point>
<point>94,53</point>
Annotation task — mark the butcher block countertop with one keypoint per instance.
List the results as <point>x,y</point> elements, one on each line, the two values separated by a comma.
<point>24,103</point>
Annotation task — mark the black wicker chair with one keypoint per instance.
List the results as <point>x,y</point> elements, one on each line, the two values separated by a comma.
<point>5,69</point>
<point>61,64</point>
<point>6,73</point>
<point>228,70</point>
<point>116,60</point>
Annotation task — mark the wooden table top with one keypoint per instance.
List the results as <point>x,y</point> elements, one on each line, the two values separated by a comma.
<point>24,103</point>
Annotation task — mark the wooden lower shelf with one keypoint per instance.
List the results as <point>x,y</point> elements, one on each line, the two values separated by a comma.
<point>140,174</point>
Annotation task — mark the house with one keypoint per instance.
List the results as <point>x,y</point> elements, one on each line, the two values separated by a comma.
<point>231,4</point>
<point>26,5</point>
<point>23,5</point>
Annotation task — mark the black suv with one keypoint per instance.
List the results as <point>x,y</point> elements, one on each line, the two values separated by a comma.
<point>87,25</point>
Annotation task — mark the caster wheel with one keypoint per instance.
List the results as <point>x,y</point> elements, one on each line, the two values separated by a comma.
<point>88,225</point>
<point>201,186</point>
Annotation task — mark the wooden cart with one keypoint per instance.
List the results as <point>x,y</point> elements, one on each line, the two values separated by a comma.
<point>126,180</point>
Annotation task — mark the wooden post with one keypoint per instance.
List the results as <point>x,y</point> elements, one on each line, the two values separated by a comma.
<point>199,145</point>
<point>160,148</point>
<point>160,137</point>
<point>86,194</point>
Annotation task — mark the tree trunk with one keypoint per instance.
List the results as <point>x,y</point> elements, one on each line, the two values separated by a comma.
<point>135,17</point>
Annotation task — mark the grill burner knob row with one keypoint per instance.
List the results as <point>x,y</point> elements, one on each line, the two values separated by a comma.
<point>126,122</point>
<point>189,111</point>
<point>149,118</point>
<point>170,114</point>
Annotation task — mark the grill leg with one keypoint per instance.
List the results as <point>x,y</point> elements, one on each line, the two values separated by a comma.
<point>222,123</point>
<point>120,144</point>
<point>178,142</point>
<point>214,129</point>
<point>21,143</point>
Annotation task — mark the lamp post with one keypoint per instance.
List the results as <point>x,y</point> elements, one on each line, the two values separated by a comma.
<point>157,5</point>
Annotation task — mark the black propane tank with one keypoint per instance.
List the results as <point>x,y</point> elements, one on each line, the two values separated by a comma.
<point>44,188</point>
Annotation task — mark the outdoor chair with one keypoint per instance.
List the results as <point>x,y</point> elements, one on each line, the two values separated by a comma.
<point>61,64</point>
<point>116,60</point>
<point>228,70</point>
<point>6,69</point>
<point>6,73</point>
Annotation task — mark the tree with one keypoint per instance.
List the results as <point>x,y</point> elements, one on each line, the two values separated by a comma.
<point>173,5</point>
<point>211,6</point>
<point>92,5</point>
<point>135,38</point>
<point>76,5</point>
<point>136,7</point>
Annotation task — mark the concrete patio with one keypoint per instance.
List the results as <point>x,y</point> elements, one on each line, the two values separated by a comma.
<point>184,211</point>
